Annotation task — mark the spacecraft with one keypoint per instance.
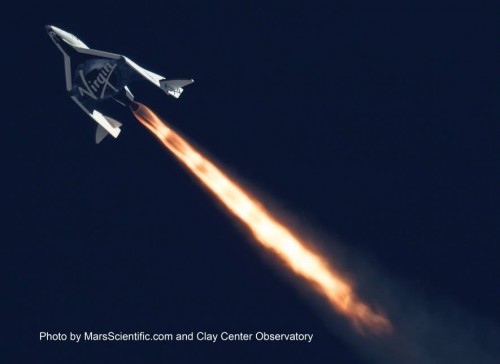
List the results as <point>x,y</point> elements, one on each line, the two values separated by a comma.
<point>94,77</point>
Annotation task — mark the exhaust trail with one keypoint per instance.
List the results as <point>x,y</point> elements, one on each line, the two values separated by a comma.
<point>267,231</point>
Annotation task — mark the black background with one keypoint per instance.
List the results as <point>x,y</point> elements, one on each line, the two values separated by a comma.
<point>377,124</point>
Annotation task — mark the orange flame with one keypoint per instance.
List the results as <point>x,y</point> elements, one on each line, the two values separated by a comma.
<point>266,230</point>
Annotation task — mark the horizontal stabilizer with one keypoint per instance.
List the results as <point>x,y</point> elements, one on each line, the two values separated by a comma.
<point>174,87</point>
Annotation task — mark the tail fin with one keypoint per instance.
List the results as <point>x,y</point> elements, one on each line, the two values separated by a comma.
<point>174,87</point>
<point>100,134</point>
<point>105,126</point>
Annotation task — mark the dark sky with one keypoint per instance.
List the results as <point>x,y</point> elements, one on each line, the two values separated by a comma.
<point>378,126</point>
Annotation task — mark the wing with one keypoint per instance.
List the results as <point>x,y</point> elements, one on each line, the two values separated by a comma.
<point>172,87</point>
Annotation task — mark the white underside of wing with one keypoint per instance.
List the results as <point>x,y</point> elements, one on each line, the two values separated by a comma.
<point>151,76</point>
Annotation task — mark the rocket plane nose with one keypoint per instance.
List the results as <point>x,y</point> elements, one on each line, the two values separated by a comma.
<point>48,28</point>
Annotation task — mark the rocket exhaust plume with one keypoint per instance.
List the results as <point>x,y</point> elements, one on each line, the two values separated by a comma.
<point>270,233</point>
